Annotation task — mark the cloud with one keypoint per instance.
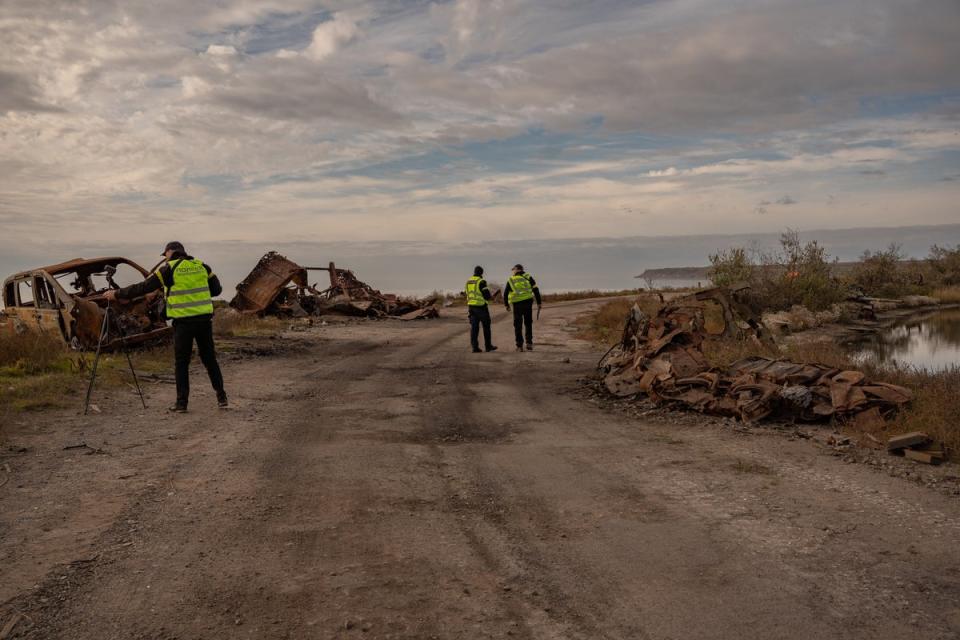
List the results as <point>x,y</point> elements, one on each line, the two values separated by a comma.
<point>17,93</point>
<point>330,36</point>
<point>473,118</point>
<point>662,173</point>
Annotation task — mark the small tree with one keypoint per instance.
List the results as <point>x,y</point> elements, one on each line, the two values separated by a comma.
<point>945,264</point>
<point>882,273</point>
<point>731,267</point>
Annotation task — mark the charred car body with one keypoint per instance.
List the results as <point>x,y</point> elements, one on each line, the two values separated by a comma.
<point>38,300</point>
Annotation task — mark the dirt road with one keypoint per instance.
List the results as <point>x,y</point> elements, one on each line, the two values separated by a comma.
<point>381,481</point>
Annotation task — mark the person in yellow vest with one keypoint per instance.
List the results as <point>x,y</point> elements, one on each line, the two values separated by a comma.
<point>521,291</point>
<point>189,286</point>
<point>477,310</point>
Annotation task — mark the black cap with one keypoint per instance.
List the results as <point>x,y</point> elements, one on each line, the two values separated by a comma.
<point>174,246</point>
<point>518,267</point>
<point>478,271</point>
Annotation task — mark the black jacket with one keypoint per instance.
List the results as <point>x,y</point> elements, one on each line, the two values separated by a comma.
<point>533,283</point>
<point>165,281</point>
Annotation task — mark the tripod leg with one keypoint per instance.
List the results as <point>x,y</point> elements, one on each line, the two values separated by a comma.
<point>96,361</point>
<point>136,380</point>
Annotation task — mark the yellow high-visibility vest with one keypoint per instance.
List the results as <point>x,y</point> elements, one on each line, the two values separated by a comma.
<point>474,294</point>
<point>520,288</point>
<point>190,294</point>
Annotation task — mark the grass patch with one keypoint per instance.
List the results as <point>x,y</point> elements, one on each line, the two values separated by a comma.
<point>934,409</point>
<point>947,295</point>
<point>586,294</point>
<point>32,352</point>
<point>38,372</point>
<point>604,325</point>
<point>35,368</point>
<point>230,324</point>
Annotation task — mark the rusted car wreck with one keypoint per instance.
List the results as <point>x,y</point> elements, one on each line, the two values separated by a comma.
<point>39,300</point>
<point>279,286</point>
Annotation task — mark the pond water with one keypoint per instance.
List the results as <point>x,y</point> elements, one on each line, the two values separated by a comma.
<point>929,340</point>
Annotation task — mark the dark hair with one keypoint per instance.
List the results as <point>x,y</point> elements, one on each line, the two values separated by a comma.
<point>478,271</point>
<point>518,267</point>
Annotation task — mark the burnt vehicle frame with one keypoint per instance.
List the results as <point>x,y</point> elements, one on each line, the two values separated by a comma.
<point>78,315</point>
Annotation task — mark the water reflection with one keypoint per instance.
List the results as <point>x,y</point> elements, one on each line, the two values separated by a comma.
<point>930,340</point>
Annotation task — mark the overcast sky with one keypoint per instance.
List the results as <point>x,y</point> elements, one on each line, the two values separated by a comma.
<point>294,120</point>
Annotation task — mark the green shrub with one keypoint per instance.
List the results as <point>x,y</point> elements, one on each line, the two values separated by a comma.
<point>795,274</point>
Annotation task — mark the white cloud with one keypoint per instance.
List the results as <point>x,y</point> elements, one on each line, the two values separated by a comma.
<point>194,86</point>
<point>663,173</point>
<point>331,35</point>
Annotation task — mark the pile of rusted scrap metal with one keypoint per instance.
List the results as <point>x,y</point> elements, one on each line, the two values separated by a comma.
<point>662,358</point>
<point>279,286</point>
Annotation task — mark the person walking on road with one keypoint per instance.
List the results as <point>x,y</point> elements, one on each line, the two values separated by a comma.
<point>189,286</point>
<point>478,294</point>
<point>521,291</point>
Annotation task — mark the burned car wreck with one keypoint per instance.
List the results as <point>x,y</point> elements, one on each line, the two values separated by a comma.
<point>67,299</point>
<point>278,286</point>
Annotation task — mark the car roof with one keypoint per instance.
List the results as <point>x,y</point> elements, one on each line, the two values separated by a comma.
<point>82,265</point>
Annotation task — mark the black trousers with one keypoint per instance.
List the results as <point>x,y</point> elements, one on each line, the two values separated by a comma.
<point>185,333</point>
<point>479,317</point>
<point>523,318</point>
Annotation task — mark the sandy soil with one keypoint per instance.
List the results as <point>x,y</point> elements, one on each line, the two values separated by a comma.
<point>378,480</point>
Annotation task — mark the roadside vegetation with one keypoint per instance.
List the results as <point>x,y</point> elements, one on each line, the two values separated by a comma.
<point>230,324</point>
<point>804,274</point>
<point>604,325</point>
<point>38,371</point>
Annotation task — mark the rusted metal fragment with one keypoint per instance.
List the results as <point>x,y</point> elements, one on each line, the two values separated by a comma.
<point>267,285</point>
<point>279,286</point>
<point>421,314</point>
<point>662,357</point>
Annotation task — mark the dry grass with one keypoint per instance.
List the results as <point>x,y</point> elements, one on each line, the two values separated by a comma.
<point>947,295</point>
<point>934,410</point>
<point>34,369</point>
<point>604,325</point>
<point>38,372</point>
<point>230,324</point>
<point>30,353</point>
<point>586,294</point>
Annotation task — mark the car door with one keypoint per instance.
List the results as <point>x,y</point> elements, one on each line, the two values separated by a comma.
<point>49,307</point>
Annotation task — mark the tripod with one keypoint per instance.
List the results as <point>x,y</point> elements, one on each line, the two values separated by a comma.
<point>104,333</point>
